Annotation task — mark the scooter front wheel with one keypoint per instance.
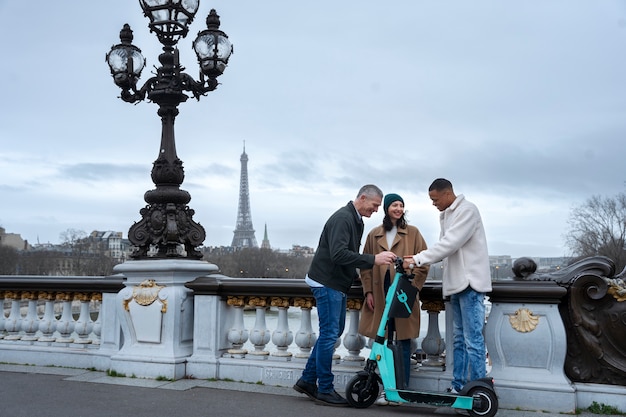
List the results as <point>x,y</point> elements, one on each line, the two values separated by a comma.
<point>485,402</point>
<point>361,392</point>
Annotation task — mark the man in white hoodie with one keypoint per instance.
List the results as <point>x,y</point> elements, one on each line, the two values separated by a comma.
<point>462,247</point>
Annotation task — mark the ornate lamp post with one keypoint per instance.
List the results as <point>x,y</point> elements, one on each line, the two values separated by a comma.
<point>167,224</point>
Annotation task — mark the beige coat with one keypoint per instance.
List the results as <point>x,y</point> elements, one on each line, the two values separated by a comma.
<point>407,242</point>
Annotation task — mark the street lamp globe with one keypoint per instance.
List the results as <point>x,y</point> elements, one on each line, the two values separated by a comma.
<point>125,60</point>
<point>170,19</point>
<point>212,47</point>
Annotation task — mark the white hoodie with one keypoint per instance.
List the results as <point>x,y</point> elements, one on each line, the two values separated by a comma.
<point>462,246</point>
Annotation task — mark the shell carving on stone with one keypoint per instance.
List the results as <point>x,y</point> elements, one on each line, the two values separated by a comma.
<point>147,292</point>
<point>523,320</point>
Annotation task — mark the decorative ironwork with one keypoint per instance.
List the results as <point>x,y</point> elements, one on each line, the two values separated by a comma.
<point>594,315</point>
<point>167,228</point>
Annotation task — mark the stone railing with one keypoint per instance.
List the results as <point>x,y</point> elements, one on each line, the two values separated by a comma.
<point>59,321</point>
<point>176,319</point>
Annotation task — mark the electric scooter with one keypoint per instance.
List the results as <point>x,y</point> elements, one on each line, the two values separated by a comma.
<point>477,397</point>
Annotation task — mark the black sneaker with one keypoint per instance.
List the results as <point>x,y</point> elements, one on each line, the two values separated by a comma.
<point>331,398</point>
<point>307,388</point>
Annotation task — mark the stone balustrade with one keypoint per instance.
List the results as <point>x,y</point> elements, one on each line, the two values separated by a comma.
<point>261,330</point>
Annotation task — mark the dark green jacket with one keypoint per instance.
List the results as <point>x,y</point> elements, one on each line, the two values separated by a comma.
<point>337,256</point>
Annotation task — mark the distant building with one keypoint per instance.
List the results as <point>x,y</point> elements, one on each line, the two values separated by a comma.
<point>501,266</point>
<point>435,271</point>
<point>266,242</point>
<point>112,242</point>
<point>217,250</point>
<point>552,264</point>
<point>301,251</point>
<point>13,240</point>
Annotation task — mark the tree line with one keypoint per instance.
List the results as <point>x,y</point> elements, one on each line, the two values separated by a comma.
<point>596,228</point>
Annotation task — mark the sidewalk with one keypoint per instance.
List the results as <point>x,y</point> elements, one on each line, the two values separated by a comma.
<point>28,391</point>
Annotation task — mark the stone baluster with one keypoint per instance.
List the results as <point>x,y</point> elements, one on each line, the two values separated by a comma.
<point>30,322</point>
<point>336,356</point>
<point>47,324</point>
<point>238,334</point>
<point>96,298</point>
<point>282,337</point>
<point>84,325</point>
<point>65,324</point>
<point>2,316</point>
<point>353,341</point>
<point>260,334</point>
<point>433,344</point>
<point>13,323</point>
<point>305,337</point>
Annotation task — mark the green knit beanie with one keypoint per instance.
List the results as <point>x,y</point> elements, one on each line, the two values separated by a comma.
<point>390,198</point>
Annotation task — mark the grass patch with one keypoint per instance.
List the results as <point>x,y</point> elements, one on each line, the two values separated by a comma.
<point>115,374</point>
<point>604,409</point>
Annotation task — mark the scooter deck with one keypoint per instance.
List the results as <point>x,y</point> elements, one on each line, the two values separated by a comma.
<point>431,398</point>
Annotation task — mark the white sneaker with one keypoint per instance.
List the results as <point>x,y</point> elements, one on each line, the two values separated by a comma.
<point>382,399</point>
<point>452,390</point>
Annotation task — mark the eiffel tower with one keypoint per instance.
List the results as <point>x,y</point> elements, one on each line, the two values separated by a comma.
<point>244,232</point>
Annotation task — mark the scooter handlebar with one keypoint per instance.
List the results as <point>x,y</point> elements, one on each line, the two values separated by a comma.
<point>399,264</point>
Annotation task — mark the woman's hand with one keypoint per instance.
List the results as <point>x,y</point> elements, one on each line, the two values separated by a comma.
<point>369,300</point>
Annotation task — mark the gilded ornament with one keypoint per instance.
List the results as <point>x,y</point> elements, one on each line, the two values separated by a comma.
<point>303,302</point>
<point>433,305</point>
<point>64,296</point>
<point>235,301</point>
<point>617,288</point>
<point>147,292</point>
<point>257,301</point>
<point>279,302</point>
<point>523,320</point>
<point>45,295</point>
<point>28,295</point>
<point>354,304</point>
<point>81,296</point>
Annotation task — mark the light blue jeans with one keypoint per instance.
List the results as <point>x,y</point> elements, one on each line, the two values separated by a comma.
<point>331,312</point>
<point>469,353</point>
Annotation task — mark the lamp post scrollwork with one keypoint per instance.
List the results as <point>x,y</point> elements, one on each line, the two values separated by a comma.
<point>167,228</point>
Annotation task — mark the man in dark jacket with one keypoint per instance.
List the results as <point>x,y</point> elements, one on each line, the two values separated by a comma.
<point>332,271</point>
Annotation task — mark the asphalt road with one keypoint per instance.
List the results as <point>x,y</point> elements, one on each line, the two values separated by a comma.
<point>28,391</point>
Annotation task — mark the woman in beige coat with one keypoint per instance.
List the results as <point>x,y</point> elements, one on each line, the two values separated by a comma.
<point>397,236</point>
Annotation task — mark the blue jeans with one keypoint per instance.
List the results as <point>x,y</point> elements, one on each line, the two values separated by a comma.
<point>331,311</point>
<point>469,353</point>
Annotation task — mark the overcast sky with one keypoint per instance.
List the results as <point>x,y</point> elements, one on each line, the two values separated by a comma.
<point>521,104</point>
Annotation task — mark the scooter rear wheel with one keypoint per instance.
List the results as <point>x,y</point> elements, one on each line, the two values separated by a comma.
<point>485,402</point>
<point>360,393</point>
